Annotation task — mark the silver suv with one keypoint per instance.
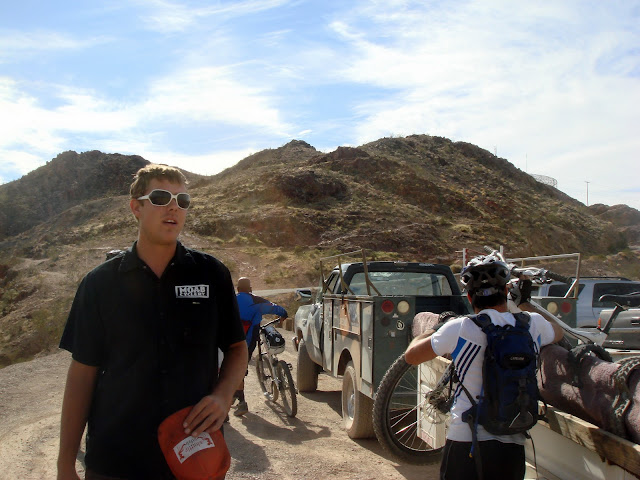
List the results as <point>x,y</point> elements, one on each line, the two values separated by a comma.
<point>590,290</point>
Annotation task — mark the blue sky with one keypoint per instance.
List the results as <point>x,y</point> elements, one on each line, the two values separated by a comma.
<point>552,86</point>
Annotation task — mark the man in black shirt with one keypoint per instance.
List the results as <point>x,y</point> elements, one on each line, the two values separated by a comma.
<point>144,332</point>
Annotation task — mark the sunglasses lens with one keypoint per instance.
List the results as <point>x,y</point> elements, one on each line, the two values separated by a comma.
<point>184,200</point>
<point>160,197</point>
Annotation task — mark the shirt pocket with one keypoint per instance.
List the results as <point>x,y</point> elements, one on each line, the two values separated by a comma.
<point>196,321</point>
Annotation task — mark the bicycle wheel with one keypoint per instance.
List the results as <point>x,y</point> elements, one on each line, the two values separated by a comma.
<point>396,419</point>
<point>265,377</point>
<point>287,388</point>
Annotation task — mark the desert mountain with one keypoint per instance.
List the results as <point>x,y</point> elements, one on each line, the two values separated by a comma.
<point>276,212</point>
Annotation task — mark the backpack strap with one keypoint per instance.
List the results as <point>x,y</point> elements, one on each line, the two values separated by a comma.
<point>483,321</point>
<point>523,319</point>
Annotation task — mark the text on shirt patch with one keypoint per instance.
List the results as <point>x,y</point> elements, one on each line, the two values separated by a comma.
<point>192,291</point>
<point>190,445</point>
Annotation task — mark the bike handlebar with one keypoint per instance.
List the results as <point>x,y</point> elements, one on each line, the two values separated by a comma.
<point>277,320</point>
<point>541,274</point>
<point>558,277</point>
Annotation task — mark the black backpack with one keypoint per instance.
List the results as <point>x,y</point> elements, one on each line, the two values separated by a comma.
<point>508,402</point>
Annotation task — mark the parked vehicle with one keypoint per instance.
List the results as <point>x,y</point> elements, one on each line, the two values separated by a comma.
<point>590,290</point>
<point>360,322</point>
<point>625,333</point>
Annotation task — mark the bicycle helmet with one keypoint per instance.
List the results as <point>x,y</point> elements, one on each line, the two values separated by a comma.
<point>485,275</point>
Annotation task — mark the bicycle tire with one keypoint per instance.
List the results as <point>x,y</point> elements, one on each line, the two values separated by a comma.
<point>265,377</point>
<point>287,389</point>
<point>395,416</point>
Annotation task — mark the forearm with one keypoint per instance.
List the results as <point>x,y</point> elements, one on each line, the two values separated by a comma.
<point>232,370</point>
<point>76,403</point>
<point>420,349</point>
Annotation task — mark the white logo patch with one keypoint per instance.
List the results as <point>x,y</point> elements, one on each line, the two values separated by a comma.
<point>192,291</point>
<point>190,445</point>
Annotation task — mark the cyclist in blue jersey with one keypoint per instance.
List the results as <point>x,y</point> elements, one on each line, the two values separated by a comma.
<point>251,309</point>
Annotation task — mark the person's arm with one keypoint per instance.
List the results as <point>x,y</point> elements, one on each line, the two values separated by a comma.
<point>78,393</point>
<point>420,349</point>
<point>269,308</point>
<point>210,412</point>
<point>558,331</point>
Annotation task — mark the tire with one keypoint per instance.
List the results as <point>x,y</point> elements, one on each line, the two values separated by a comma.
<point>287,389</point>
<point>306,371</point>
<point>265,377</point>
<point>356,407</point>
<point>395,416</point>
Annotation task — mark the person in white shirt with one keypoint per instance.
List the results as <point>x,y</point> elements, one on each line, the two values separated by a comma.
<point>485,279</point>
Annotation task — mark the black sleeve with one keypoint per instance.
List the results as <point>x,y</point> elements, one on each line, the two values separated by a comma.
<point>83,334</point>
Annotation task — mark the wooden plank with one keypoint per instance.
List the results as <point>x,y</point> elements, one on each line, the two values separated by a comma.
<point>609,447</point>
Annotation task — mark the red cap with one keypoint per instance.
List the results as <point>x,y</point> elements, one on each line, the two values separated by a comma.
<point>205,457</point>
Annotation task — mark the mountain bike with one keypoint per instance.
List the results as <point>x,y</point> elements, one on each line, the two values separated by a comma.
<point>412,425</point>
<point>274,375</point>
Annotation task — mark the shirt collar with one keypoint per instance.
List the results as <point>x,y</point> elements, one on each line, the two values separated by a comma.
<point>131,261</point>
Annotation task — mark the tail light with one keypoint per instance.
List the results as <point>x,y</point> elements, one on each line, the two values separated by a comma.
<point>387,306</point>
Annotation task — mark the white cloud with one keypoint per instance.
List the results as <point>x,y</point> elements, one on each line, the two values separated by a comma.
<point>171,17</point>
<point>212,95</point>
<point>205,164</point>
<point>18,161</point>
<point>15,45</point>
<point>26,123</point>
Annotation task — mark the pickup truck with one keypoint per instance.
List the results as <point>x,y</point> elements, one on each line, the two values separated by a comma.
<point>360,321</point>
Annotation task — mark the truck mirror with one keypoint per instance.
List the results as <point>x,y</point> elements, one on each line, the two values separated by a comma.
<point>303,294</point>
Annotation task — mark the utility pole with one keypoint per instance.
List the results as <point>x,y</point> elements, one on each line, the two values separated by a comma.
<point>587,192</point>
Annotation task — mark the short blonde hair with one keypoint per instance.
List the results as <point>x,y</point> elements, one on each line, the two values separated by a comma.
<point>143,177</point>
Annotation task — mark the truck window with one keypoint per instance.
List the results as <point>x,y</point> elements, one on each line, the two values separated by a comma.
<point>403,283</point>
<point>334,278</point>
<point>617,288</point>
<point>560,289</point>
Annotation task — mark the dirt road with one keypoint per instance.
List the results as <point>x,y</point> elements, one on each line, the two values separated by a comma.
<point>265,444</point>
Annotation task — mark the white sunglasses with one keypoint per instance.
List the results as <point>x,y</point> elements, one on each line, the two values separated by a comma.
<point>162,198</point>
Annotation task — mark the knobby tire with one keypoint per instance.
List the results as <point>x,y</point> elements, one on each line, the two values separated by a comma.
<point>287,389</point>
<point>265,377</point>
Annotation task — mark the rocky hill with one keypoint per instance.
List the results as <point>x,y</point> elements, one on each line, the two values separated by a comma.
<point>276,212</point>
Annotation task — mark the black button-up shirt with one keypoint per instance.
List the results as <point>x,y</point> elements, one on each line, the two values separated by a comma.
<point>155,342</point>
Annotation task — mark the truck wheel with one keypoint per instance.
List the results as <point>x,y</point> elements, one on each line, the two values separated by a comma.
<point>395,416</point>
<point>306,371</point>
<point>356,407</point>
